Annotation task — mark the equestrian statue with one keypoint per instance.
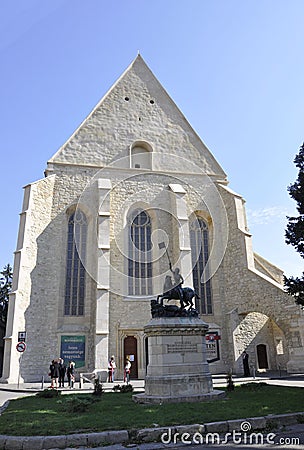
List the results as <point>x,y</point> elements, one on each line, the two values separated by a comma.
<point>174,291</point>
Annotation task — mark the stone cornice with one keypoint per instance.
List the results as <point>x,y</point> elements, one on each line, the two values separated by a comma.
<point>174,326</point>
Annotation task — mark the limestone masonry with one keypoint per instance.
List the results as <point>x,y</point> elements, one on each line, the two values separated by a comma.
<point>133,190</point>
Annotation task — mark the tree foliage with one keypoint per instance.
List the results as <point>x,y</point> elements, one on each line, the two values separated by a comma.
<point>5,288</point>
<point>294,234</point>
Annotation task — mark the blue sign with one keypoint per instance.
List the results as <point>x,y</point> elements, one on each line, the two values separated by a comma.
<point>73,349</point>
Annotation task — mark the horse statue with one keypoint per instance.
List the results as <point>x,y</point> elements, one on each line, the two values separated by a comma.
<point>186,299</point>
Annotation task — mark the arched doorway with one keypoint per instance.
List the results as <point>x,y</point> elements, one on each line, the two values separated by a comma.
<point>130,350</point>
<point>141,155</point>
<point>262,356</point>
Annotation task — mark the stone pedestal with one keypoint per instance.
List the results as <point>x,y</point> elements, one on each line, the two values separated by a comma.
<point>178,370</point>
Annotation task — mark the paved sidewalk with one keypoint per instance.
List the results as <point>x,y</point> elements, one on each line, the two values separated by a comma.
<point>276,378</point>
<point>87,387</point>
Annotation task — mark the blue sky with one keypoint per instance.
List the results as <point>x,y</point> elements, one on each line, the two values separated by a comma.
<point>235,69</point>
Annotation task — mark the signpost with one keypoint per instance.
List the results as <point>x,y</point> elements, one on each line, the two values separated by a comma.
<point>212,344</point>
<point>21,346</point>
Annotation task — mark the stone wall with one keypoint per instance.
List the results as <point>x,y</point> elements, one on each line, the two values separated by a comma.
<point>249,305</point>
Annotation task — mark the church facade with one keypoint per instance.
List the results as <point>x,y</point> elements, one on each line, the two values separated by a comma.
<point>131,196</point>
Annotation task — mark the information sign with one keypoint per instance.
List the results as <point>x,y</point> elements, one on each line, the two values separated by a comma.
<point>73,349</point>
<point>21,336</point>
<point>212,345</point>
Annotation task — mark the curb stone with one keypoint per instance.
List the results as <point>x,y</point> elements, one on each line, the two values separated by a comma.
<point>191,429</point>
<point>32,443</point>
<point>284,419</point>
<point>149,434</point>
<point>235,425</point>
<point>216,427</point>
<point>143,435</point>
<point>257,423</point>
<point>4,406</point>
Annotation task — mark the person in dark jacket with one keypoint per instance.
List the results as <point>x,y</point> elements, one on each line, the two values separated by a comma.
<point>245,358</point>
<point>54,371</point>
<point>68,373</point>
<point>62,372</point>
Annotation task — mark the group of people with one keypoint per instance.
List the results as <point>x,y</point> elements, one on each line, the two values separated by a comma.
<point>112,369</point>
<point>58,371</point>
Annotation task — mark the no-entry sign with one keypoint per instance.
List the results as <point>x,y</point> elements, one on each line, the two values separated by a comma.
<point>21,346</point>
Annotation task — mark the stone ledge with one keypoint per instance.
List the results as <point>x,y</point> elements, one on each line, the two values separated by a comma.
<point>156,400</point>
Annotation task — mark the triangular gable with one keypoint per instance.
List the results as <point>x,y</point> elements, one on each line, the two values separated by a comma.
<point>136,107</point>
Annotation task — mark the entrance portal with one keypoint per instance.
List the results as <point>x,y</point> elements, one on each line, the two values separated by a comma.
<point>262,356</point>
<point>130,349</point>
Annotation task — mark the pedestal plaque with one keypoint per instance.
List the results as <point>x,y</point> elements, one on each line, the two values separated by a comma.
<point>177,370</point>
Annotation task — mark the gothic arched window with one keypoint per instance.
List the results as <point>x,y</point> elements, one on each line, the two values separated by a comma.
<point>75,271</point>
<point>139,253</point>
<point>199,239</point>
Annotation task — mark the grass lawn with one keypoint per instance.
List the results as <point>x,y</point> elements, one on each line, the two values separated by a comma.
<point>112,411</point>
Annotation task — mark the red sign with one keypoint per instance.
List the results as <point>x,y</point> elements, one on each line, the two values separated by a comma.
<point>212,337</point>
<point>21,346</point>
<point>212,346</point>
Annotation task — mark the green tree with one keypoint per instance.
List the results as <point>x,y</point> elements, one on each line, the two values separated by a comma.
<point>294,233</point>
<point>5,288</point>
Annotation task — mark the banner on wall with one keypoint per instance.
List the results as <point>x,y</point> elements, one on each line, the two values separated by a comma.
<point>73,349</point>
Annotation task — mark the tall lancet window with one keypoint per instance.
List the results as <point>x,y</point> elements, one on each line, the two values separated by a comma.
<point>75,271</point>
<point>139,253</point>
<point>199,239</point>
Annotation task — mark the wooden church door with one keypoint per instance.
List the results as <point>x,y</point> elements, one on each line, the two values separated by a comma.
<point>130,349</point>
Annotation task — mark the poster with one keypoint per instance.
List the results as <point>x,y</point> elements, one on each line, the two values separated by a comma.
<point>73,349</point>
<point>212,346</point>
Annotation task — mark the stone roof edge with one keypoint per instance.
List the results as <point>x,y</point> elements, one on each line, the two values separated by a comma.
<point>229,190</point>
<point>49,177</point>
<point>140,60</point>
<point>95,108</point>
<point>266,278</point>
<point>179,111</point>
<point>261,260</point>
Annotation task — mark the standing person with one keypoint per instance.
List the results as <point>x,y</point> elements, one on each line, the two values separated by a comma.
<point>72,374</point>
<point>62,371</point>
<point>68,373</point>
<point>51,373</point>
<point>54,370</point>
<point>127,370</point>
<point>245,357</point>
<point>111,370</point>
